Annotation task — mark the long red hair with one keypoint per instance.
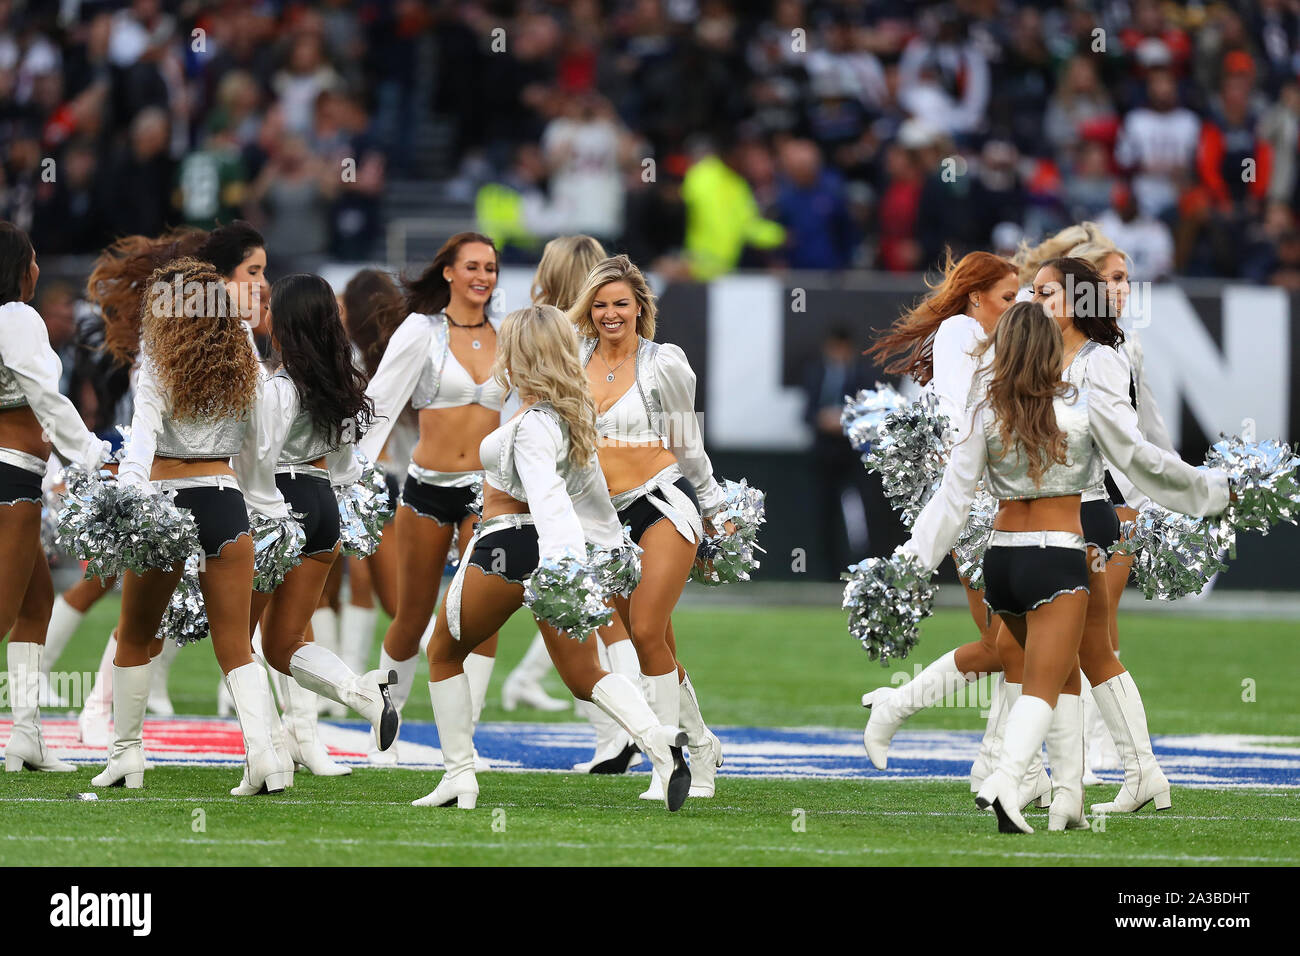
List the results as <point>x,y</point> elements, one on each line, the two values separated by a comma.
<point>908,347</point>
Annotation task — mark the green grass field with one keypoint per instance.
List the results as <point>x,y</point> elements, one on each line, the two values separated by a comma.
<point>760,666</point>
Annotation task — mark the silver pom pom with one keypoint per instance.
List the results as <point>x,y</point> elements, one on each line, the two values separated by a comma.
<point>864,412</point>
<point>277,549</point>
<point>909,454</point>
<point>1263,475</point>
<point>564,592</point>
<point>728,557</point>
<point>186,618</point>
<point>364,510</point>
<point>116,528</point>
<point>476,506</point>
<point>618,569</point>
<point>974,538</point>
<point>887,599</point>
<point>1174,554</point>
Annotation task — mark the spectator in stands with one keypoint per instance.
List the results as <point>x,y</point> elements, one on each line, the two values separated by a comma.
<point>1280,128</point>
<point>814,208</point>
<point>1079,108</point>
<point>356,213</point>
<point>305,75</point>
<point>944,76</point>
<point>1157,143</point>
<point>1090,184</point>
<point>57,306</point>
<point>290,199</point>
<point>899,250</point>
<point>513,210</point>
<point>137,186</point>
<point>656,219</point>
<point>1146,239</point>
<point>68,217</point>
<point>585,148</point>
<point>212,182</point>
<point>722,216</point>
<point>1023,79</point>
<point>20,174</point>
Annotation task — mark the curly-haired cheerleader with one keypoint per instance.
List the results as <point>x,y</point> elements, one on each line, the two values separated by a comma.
<point>660,479</point>
<point>936,343</point>
<point>1038,444</point>
<point>439,360</point>
<point>313,405</point>
<point>33,415</point>
<point>117,287</point>
<point>543,493</point>
<point>197,406</point>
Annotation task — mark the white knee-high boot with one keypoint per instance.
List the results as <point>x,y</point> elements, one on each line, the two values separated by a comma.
<point>26,748</point>
<point>703,745</point>
<point>523,685</point>
<point>991,745</point>
<point>891,706</point>
<point>64,621</point>
<point>615,751</point>
<point>662,743</point>
<point>1023,737</point>
<point>92,722</point>
<point>357,635</point>
<point>1036,787</point>
<point>1065,752</point>
<point>321,671</point>
<point>478,668</point>
<point>126,757</point>
<point>398,692</point>
<point>663,694</point>
<point>159,668</point>
<point>300,734</point>
<point>325,633</point>
<point>264,768</point>
<point>1144,782</point>
<point>1101,753</point>
<point>453,710</point>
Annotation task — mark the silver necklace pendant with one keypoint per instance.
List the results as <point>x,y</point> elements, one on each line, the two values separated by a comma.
<point>477,344</point>
<point>609,377</point>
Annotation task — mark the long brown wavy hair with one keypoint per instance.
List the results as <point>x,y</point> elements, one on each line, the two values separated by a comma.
<point>375,308</point>
<point>197,345</point>
<point>908,347</point>
<point>1028,350</point>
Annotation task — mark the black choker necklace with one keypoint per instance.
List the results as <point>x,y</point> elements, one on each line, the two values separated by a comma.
<point>476,325</point>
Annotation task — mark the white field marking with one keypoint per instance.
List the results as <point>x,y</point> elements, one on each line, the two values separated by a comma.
<point>792,848</point>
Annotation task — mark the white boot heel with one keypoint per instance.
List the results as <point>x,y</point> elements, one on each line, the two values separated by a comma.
<point>453,711</point>
<point>26,748</point>
<point>1121,708</point>
<point>1000,792</point>
<point>264,772</point>
<point>1066,750</point>
<point>461,789</point>
<point>1027,723</point>
<point>1161,800</point>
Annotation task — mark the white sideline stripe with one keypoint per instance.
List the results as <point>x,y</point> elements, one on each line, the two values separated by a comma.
<point>509,844</point>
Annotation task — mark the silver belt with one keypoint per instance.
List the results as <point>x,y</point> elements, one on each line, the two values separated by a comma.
<point>672,502</point>
<point>20,459</point>
<point>444,479</point>
<point>482,530</point>
<point>221,482</point>
<point>1098,493</point>
<point>1037,539</point>
<point>302,471</point>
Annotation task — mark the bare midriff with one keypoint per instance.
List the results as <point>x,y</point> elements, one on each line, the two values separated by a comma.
<point>629,465</point>
<point>497,502</point>
<point>20,430</point>
<point>1040,514</point>
<point>164,468</point>
<point>449,437</point>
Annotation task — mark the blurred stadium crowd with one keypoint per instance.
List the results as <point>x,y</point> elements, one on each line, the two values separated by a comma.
<point>697,135</point>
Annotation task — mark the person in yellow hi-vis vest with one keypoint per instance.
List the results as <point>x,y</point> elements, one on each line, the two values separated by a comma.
<point>722,217</point>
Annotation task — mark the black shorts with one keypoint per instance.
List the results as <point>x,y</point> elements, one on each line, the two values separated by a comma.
<point>444,505</point>
<point>641,514</point>
<point>219,512</point>
<point>1100,524</point>
<point>18,484</point>
<point>394,488</point>
<point>509,553</point>
<point>1112,489</point>
<point>313,498</point>
<point>1019,579</point>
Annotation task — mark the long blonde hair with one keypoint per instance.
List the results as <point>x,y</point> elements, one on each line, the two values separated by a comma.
<point>539,348</point>
<point>614,269</point>
<point>566,263</point>
<point>1095,252</point>
<point>1029,259</point>
<point>1027,356</point>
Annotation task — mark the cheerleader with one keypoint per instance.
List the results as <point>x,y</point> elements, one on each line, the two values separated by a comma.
<point>936,344</point>
<point>543,494</point>
<point>439,359</point>
<point>659,478</point>
<point>117,287</point>
<point>33,416</point>
<point>196,406</point>
<point>561,273</point>
<point>1038,443</point>
<point>313,405</point>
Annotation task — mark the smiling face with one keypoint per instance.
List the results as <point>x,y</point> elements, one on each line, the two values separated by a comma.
<point>1049,292</point>
<point>1115,271</point>
<point>613,313</point>
<point>472,278</point>
<point>249,289</point>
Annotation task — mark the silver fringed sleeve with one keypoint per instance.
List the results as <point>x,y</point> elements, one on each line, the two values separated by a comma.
<point>887,599</point>
<point>728,557</point>
<point>564,592</point>
<point>277,549</point>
